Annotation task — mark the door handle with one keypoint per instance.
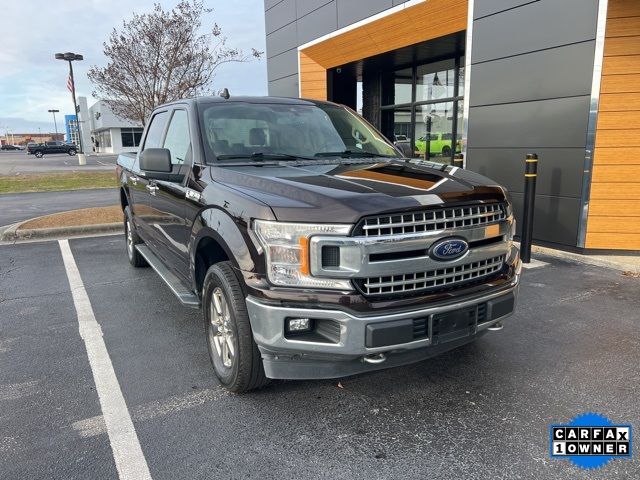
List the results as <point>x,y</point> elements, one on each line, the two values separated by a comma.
<point>134,180</point>
<point>152,189</point>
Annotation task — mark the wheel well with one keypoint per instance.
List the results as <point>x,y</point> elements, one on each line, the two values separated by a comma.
<point>123,199</point>
<point>209,252</point>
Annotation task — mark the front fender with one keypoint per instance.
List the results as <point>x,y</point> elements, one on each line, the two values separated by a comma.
<point>230,233</point>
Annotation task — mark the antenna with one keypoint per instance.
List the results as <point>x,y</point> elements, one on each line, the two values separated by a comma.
<point>225,93</point>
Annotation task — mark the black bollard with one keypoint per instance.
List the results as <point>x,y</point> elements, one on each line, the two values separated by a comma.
<point>458,160</point>
<point>530,177</point>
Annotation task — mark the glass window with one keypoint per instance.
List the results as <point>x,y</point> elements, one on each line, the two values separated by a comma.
<point>434,132</point>
<point>127,137</point>
<point>402,91</point>
<point>397,127</point>
<point>461,78</point>
<point>242,129</point>
<point>137,136</point>
<point>435,81</point>
<point>130,136</point>
<point>154,133</point>
<point>104,138</point>
<point>178,140</point>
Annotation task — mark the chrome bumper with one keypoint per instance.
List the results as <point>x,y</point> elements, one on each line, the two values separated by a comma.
<point>300,359</point>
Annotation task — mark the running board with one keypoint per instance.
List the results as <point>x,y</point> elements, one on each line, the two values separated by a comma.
<point>186,296</point>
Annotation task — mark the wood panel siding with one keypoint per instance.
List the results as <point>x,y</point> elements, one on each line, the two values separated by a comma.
<point>614,210</point>
<point>405,27</point>
<point>313,78</point>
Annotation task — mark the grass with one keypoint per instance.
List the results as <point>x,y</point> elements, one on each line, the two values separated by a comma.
<point>56,181</point>
<point>84,216</point>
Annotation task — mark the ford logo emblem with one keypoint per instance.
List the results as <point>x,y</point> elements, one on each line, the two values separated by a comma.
<point>449,249</point>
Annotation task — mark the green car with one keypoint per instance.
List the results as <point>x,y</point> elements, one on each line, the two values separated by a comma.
<point>439,144</point>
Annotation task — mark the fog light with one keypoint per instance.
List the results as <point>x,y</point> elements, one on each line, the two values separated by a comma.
<point>299,325</point>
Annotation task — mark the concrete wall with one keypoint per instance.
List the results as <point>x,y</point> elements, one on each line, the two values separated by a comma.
<point>291,23</point>
<point>530,86</point>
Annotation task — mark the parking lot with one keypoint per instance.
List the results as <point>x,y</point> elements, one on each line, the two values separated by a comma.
<point>482,411</point>
<point>17,162</point>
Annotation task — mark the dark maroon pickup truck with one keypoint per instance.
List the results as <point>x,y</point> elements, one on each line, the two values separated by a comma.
<point>313,248</point>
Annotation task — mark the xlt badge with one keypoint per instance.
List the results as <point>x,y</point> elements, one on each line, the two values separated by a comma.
<point>448,249</point>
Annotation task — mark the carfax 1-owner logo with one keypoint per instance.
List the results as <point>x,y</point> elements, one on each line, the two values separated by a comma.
<point>590,440</point>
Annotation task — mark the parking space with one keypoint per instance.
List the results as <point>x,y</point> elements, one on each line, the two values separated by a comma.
<point>482,411</point>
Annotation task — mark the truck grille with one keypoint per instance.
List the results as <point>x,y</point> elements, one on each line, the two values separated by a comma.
<point>431,279</point>
<point>431,220</point>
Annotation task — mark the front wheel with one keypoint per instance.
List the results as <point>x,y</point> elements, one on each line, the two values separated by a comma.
<point>446,151</point>
<point>71,152</point>
<point>39,154</point>
<point>234,354</point>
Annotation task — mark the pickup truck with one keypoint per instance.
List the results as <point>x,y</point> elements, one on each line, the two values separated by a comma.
<point>40,149</point>
<point>312,247</point>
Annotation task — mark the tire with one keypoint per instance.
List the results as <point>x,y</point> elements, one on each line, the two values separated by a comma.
<point>71,152</point>
<point>446,151</point>
<point>132,239</point>
<point>233,353</point>
<point>39,154</point>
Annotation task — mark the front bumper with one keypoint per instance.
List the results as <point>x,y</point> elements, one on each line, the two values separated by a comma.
<point>360,343</point>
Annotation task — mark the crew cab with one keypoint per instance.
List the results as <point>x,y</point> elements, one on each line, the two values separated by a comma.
<point>311,246</point>
<point>40,149</point>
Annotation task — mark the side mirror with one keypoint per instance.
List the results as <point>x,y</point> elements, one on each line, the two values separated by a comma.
<point>156,160</point>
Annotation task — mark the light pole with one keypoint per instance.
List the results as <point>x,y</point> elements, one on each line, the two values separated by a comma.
<point>55,124</point>
<point>71,84</point>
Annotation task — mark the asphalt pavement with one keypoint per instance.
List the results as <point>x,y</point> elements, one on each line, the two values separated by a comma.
<point>16,207</point>
<point>19,162</point>
<point>482,411</point>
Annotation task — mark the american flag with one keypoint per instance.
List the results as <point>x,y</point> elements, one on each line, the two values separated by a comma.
<point>70,83</point>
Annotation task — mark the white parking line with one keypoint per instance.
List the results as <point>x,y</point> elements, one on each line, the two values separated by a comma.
<point>125,445</point>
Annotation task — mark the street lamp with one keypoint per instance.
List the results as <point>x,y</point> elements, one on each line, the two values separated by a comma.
<point>71,57</point>
<point>55,124</point>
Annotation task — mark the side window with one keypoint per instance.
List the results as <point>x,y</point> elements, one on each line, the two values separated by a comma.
<point>178,141</point>
<point>154,134</point>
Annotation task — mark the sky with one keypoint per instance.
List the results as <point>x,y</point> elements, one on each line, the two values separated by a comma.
<point>32,81</point>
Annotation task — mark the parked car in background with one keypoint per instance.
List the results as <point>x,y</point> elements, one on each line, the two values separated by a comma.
<point>41,149</point>
<point>7,146</point>
<point>403,144</point>
<point>312,246</point>
<point>439,144</point>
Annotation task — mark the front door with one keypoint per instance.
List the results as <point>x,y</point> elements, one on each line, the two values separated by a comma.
<point>167,199</point>
<point>140,187</point>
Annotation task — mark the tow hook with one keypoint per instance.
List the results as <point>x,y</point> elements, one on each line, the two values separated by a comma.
<point>375,358</point>
<point>496,327</point>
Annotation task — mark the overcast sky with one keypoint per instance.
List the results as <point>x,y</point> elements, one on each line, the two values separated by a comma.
<point>32,81</point>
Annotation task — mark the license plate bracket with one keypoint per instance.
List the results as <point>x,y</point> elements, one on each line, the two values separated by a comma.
<point>453,325</point>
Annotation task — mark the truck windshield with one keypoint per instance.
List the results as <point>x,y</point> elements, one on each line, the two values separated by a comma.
<point>256,131</point>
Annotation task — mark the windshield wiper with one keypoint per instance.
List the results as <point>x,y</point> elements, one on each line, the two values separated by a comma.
<point>352,153</point>
<point>263,156</point>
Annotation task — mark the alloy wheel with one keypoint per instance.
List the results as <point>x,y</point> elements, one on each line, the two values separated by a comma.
<point>221,331</point>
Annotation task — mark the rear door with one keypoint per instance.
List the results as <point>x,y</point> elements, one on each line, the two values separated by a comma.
<point>168,200</point>
<point>138,183</point>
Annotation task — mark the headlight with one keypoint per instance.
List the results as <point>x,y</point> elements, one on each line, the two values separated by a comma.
<point>286,247</point>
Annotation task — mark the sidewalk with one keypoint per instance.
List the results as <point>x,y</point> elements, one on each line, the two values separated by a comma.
<point>623,263</point>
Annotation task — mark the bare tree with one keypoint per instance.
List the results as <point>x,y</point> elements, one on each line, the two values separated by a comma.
<point>162,56</point>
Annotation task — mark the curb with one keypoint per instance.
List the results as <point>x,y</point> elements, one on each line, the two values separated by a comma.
<point>599,261</point>
<point>12,233</point>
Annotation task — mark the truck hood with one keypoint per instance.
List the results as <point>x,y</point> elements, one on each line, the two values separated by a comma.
<point>344,192</point>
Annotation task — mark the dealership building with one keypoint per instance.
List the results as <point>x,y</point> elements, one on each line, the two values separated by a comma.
<point>109,132</point>
<point>493,80</point>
